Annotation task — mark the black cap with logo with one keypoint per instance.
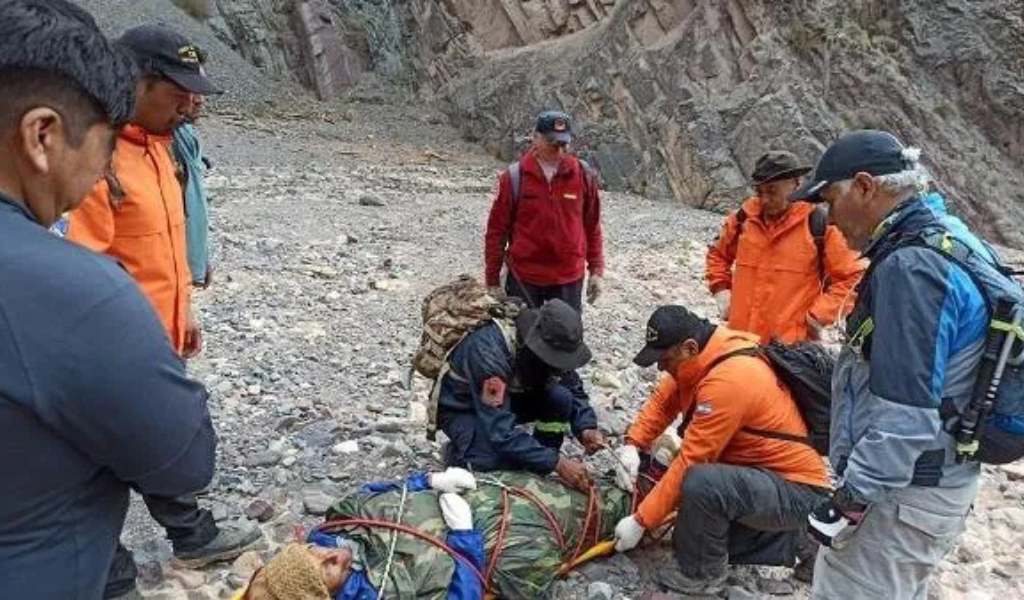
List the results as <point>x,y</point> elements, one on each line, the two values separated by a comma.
<point>555,125</point>
<point>554,332</point>
<point>157,48</point>
<point>868,151</point>
<point>667,327</point>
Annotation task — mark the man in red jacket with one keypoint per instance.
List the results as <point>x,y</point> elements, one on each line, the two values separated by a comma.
<point>545,222</point>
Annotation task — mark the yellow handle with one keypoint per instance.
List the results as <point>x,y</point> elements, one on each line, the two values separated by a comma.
<point>602,549</point>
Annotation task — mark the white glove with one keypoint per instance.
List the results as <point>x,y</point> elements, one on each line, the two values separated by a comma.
<point>453,480</point>
<point>628,534</point>
<point>627,467</point>
<point>723,299</point>
<point>456,511</point>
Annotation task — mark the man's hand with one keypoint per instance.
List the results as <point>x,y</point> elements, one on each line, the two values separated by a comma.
<point>592,440</point>
<point>573,473</point>
<point>193,337</point>
<point>628,534</point>
<point>843,509</point>
<point>724,300</point>
<point>627,467</point>
<point>814,327</point>
<point>496,292</point>
<point>595,286</point>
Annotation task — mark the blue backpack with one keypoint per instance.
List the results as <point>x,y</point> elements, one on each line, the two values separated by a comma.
<point>991,428</point>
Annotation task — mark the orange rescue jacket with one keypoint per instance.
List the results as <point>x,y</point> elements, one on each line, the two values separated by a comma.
<point>776,284</point>
<point>142,225</point>
<point>742,391</point>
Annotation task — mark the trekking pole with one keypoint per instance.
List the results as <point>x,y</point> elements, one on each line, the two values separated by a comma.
<point>998,345</point>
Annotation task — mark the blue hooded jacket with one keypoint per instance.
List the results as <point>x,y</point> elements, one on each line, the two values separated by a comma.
<point>189,154</point>
<point>919,361</point>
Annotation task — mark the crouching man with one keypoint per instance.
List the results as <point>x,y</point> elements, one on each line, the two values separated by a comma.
<point>500,380</point>
<point>744,476</point>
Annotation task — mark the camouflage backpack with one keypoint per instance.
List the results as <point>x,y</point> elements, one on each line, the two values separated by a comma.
<point>450,313</point>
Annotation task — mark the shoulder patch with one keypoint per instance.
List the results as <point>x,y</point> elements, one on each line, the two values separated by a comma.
<point>703,409</point>
<point>493,392</point>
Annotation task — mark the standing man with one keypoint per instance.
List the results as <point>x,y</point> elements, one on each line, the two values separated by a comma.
<point>192,168</point>
<point>545,222</point>
<point>778,269</point>
<point>745,475</point>
<point>136,216</point>
<point>93,399</point>
<point>916,339</point>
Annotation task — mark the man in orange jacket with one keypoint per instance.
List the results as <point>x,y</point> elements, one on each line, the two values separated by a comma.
<point>743,479</point>
<point>778,269</point>
<point>135,215</point>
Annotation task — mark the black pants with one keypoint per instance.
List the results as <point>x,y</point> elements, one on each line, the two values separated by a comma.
<point>536,295</point>
<point>188,528</point>
<point>469,446</point>
<point>741,516</point>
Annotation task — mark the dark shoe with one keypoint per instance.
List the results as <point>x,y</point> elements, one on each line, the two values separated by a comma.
<point>231,541</point>
<point>675,581</point>
<point>806,554</point>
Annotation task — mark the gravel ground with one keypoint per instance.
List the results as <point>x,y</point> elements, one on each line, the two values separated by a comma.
<point>330,229</point>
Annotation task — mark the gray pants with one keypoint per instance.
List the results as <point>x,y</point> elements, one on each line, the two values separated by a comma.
<point>740,516</point>
<point>893,551</point>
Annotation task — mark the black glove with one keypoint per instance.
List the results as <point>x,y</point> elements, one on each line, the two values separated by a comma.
<point>843,509</point>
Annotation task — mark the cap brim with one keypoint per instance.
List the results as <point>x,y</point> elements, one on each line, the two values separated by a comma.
<point>811,190</point>
<point>559,359</point>
<point>790,174</point>
<point>648,356</point>
<point>192,82</point>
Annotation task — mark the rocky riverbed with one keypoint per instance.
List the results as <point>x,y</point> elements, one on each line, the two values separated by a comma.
<point>330,227</point>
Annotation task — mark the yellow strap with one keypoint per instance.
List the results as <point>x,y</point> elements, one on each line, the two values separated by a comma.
<point>1013,329</point>
<point>863,331</point>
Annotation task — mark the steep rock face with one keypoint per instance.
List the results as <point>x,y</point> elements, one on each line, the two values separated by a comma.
<point>677,98</point>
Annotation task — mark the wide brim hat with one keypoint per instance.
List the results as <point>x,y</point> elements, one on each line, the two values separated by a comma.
<point>551,334</point>
<point>776,165</point>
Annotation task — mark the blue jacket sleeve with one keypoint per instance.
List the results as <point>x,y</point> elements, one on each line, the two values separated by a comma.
<point>926,311</point>
<point>583,416</point>
<point>465,584</point>
<point>487,358</point>
<point>417,482</point>
<point>122,396</point>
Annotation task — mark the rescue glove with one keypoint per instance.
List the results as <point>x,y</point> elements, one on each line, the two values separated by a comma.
<point>595,287</point>
<point>628,534</point>
<point>627,467</point>
<point>723,299</point>
<point>456,512</point>
<point>845,508</point>
<point>453,480</point>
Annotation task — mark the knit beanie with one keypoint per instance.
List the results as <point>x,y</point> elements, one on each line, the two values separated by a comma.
<point>293,574</point>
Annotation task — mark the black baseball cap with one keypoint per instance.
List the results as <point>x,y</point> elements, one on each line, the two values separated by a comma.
<point>157,48</point>
<point>554,332</point>
<point>868,150</point>
<point>555,125</point>
<point>668,326</point>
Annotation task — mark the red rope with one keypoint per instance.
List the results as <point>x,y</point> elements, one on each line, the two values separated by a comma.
<point>332,526</point>
<point>500,541</point>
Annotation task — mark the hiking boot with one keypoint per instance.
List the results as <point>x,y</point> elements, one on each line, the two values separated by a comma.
<point>806,554</point>
<point>675,581</point>
<point>231,541</point>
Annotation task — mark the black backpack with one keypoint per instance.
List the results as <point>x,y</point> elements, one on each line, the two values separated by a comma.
<point>806,369</point>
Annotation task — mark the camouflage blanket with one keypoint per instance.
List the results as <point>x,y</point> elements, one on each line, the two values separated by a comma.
<point>530,555</point>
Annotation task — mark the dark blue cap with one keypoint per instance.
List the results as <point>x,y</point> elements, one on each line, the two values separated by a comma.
<point>157,48</point>
<point>555,125</point>
<point>868,151</point>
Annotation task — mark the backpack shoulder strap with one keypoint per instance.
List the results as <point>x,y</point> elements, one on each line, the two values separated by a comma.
<point>741,219</point>
<point>515,179</point>
<point>817,221</point>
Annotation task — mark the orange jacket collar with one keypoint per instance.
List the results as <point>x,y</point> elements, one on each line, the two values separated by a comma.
<point>796,214</point>
<point>723,341</point>
<point>138,135</point>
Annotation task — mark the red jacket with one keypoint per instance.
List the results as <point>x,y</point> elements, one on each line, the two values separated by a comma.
<point>557,230</point>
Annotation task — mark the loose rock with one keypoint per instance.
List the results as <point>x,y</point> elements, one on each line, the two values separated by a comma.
<point>316,502</point>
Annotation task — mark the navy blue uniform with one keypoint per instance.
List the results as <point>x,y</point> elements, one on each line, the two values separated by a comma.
<point>93,400</point>
<point>490,394</point>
